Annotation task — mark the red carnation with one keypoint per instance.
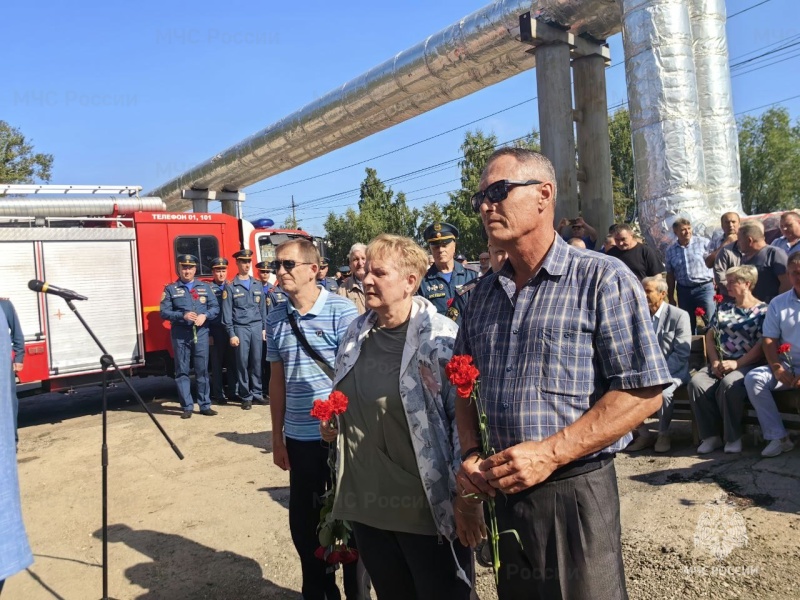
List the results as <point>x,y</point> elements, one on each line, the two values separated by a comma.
<point>325,410</point>
<point>450,302</point>
<point>699,312</point>
<point>195,295</point>
<point>348,555</point>
<point>338,402</point>
<point>462,374</point>
<point>322,410</point>
<point>320,553</point>
<point>718,298</point>
<point>784,348</point>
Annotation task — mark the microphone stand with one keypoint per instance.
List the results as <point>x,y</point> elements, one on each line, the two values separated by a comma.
<point>106,361</point>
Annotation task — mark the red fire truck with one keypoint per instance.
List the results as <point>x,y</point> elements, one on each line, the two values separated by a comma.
<point>120,253</point>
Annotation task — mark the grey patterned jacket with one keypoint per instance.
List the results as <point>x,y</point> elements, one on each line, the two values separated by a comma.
<point>428,399</point>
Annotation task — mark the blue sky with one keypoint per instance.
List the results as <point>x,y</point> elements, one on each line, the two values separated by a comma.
<point>136,93</point>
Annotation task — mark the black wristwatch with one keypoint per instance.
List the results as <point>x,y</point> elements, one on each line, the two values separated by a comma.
<point>469,453</point>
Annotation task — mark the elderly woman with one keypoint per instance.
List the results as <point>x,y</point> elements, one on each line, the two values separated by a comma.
<point>352,288</point>
<point>733,346</point>
<point>397,441</point>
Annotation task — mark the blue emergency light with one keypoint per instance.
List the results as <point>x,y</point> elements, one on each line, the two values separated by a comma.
<point>263,223</point>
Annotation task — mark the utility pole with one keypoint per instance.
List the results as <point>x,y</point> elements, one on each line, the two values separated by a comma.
<point>294,215</point>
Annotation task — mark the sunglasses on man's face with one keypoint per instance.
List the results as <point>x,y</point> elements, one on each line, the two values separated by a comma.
<point>439,244</point>
<point>498,191</point>
<point>286,264</point>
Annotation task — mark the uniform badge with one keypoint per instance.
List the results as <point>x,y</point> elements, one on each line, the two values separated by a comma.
<point>258,299</point>
<point>163,295</point>
<point>202,299</point>
<point>452,313</point>
<point>224,294</point>
<point>269,302</point>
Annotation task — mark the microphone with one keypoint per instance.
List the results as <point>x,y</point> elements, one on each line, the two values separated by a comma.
<point>45,288</point>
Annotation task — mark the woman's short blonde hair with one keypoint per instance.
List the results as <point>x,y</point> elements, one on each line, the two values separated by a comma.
<point>743,273</point>
<point>403,252</point>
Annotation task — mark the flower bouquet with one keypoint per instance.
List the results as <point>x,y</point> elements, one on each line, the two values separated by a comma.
<point>334,534</point>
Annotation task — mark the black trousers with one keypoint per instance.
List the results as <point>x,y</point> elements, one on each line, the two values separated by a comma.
<point>309,479</point>
<point>570,533</point>
<point>406,566</point>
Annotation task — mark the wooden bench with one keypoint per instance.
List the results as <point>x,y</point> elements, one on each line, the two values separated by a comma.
<point>788,401</point>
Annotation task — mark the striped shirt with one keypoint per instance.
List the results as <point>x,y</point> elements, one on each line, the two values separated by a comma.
<point>324,327</point>
<point>579,328</point>
<point>688,264</point>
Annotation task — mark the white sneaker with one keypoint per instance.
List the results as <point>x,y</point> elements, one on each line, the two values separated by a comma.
<point>709,445</point>
<point>734,447</point>
<point>777,447</point>
<point>662,443</point>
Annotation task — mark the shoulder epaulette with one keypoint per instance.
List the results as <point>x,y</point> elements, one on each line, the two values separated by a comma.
<point>469,286</point>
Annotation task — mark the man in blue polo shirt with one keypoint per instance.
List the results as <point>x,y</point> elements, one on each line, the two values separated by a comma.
<point>315,318</point>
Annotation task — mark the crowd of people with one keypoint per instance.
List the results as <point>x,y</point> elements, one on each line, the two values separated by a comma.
<point>576,351</point>
<point>577,347</point>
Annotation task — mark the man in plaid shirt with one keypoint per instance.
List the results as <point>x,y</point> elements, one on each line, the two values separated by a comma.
<point>569,365</point>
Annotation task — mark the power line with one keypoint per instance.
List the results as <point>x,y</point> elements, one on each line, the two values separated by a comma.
<point>427,139</point>
<point>744,10</point>
<point>765,54</point>
<point>744,112</point>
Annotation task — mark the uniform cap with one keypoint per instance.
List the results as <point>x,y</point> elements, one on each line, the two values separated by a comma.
<point>187,259</point>
<point>262,266</point>
<point>440,232</point>
<point>324,261</point>
<point>248,254</point>
<point>218,262</point>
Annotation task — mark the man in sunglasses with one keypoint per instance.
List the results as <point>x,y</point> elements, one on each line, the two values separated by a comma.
<point>446,276</point>
<point>303,335</point>
<point>244,314</point>
<point>569,364</point>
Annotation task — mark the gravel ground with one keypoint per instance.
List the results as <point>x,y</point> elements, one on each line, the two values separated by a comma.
<point>215,525</point>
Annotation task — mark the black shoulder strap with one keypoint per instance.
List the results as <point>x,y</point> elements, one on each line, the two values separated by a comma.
<point>307,347</point>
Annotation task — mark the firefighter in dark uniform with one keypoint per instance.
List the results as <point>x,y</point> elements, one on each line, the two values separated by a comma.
<point>244,315</point>
<point>329,283</point>
<point>188,304</point>
<point>221,352</point>
<point>263,274</point>
<point>445,276</point>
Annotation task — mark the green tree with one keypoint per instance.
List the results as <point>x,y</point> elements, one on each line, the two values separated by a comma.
<point>430,213</point>
<point>379,211</point>
<point>619,131</point>
<point>477,148</point>
<point>18,162</point>
<point>769,151</point>
<point>291,222</point>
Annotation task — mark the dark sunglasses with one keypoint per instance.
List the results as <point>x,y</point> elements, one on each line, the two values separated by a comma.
<point>436,244</point>
<point>498,191</point>
<point>286,264</point>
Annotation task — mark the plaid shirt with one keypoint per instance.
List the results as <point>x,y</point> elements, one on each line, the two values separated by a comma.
<point>688,264</point>
<point>579,328</point>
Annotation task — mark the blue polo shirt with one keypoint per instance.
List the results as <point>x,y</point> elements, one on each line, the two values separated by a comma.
<point>324,327</point>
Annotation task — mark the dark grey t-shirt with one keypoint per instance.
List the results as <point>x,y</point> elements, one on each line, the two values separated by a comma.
<point>770,263</point>
<point>380,484</point>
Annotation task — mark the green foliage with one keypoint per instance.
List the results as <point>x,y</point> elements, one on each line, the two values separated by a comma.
<point>430,213</point>
<point>619,131</point>
<point>291,222</point>
<point>379,211</point>
<point>477,148</point>
<point>769,151</point>
<point>18,163</point>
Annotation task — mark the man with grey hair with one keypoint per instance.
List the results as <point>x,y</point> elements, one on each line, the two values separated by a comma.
<point>352,288</point>
<point>674,335</point>
<point>556,424</point>
<point>769,261</point>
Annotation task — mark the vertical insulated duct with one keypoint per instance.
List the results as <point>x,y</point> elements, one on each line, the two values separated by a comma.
<point>717,123</point>
<point>662,91</point>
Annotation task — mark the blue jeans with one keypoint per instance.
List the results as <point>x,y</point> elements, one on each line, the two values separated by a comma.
<point>701,296</point>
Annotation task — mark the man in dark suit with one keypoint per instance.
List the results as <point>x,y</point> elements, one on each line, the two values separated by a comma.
<point>674,335</point>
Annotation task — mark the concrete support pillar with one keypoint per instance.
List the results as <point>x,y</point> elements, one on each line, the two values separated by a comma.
<point>200,206</point>
<point>230,207</point>
<point>594,150</point>
<point>554,89</point>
